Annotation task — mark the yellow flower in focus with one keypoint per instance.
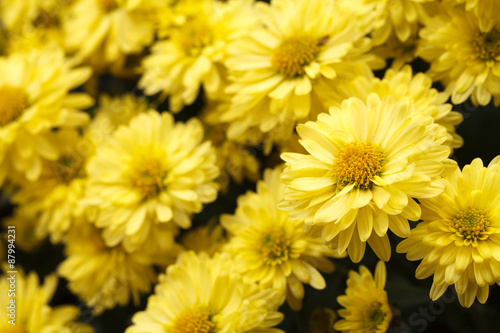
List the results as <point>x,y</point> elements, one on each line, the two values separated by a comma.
<point>272,250</point>
<point>32,311</point>
<point>366,308</point>
<point>459,238</point>
<point>366,166</point>
<point>462,56</point>
<point>104,277</point>
<point>35,98</point>
<point>404,86</point>
<point>285,68</point>
<point>194,51</point>
<point>104,32</point>
<point>199,294</point>
<point>151,171</point>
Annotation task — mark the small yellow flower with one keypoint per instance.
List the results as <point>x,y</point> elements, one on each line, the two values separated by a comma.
<point>366,165</point>
<point>35,98</point>
<point>32,311</point>
<point>272,250</point>
<point>193,50</point>
<point>366,308</point>
<point>459,237</point>
<point>463,57</point>
<point>208,238</point>
<point>151,171</point>
<point>104,277</point>
<point>199,294</point>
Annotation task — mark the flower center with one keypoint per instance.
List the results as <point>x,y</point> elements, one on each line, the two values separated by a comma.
<point>194,36</point>
<point>275,247</point>
<point>107,5</point>
<point>12,103</point>
<point>471,224</point>
<point>294,53</point>
<point>487,46</point>
<point>374,316</point>
<point>67,167</point>
<point>148,179</point>
<point>357,163</point>
<point>196,320</point>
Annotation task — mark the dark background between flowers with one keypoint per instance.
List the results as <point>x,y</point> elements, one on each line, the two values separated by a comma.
<point>414,311</point>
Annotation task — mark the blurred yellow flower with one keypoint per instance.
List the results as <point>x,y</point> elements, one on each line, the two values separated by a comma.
<point>151,171</point>
<point>193,53</point>
<point>207,238</point>
<point>35,98</point>
<point>459,237</point>
<point>32,311</point>
<point>272,250</point>
<point>462,56</point>
<point>366,308</point>
<point>104,277</point>
<point>199,294</point>
<point>366,166</point>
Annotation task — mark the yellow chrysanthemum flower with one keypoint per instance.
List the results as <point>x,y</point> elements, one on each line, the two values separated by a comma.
<point>151,171</point>
<point>199,294</point>
<point>404,86</point>
<point>269,248</point>
<point>61,186</point>
<point>486,10</point>
<point>194,51</point>
<point>459,238</point>
<point>286,67</point>
<point>111,113</point>
<point>104,32</point>
<point>35,98</point>
<point>104,277</point>
<point>462,57</point>
<point>32,313</point>
<point>366,308</point>
<point>25,220</point>
<point>31,23</point>
<point>209,238</point>
<point>366,166</point>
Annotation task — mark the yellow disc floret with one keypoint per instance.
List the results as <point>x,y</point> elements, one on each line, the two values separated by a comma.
<point>148,178</point>
<point>487,46</point>
<point>471,225</point>
<point>12,103</point>
<point>197,320</point>
<point>107,5</point>
<point>357,163</point>
<point>275,247</point>
<point>294,53</point>
<point>194,36</point>
<point>374,316</point>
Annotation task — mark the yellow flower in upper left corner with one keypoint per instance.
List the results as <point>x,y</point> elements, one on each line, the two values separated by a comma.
<point>34,99</point>
<point>105,31</point>
<point>366,305</point>
<point>151,171</point>
<point>365,167</point>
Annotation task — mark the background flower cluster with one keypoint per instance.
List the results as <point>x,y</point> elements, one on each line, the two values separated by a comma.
<point>250,166</point>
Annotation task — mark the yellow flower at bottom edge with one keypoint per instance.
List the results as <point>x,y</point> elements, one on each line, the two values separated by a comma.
<point>459,238</point>
<point>366,165</point>
<point>199,294</point>
<point>367,309</point>
<point>32,311</point>
<point>271,249</point>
